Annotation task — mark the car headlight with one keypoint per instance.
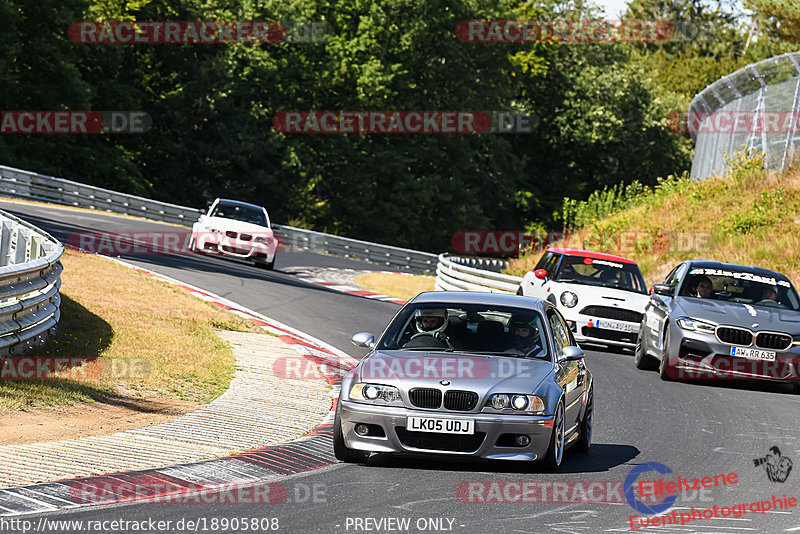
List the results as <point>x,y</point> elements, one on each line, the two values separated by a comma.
<point>795,340</point>
<point>375,393</point>
<point>569,299</point>
<point>263,239</point>
<point>529,404</point>
<point>687,323</point>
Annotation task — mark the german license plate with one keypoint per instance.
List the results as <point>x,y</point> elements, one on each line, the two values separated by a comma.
<point>619,326</point>
<point>753,354</point>
<point>440,426</point>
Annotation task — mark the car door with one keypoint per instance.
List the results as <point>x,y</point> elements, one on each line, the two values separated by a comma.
<point>571,375</point>
<point>657,310</point>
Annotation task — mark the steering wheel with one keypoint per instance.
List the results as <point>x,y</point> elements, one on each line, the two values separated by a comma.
<point>769,302</point>
<point>426,340</point>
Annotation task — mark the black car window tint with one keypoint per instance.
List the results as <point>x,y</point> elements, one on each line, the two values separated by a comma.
<point>543,261</point>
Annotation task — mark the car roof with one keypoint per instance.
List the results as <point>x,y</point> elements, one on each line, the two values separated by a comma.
<point>590,254</point>
<point>239,203</point>
<point>761,271</point>
<point>474,297</point>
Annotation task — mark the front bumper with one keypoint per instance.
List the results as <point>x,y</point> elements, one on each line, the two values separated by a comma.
<point>234,246</point>
<point>492,426</point>
<point>586,330</point>
<point>703,356</point>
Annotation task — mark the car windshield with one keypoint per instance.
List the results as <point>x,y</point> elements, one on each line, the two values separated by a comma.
<point>469,329</point>
<point>598,272</point>
<point>740,287</point>
<point>240,213</point>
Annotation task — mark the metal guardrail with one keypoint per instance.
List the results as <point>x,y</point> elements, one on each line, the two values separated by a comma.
<point>25,184</point>
<point>30,278</point>
<point>412,260</point>
<point>452,275</point>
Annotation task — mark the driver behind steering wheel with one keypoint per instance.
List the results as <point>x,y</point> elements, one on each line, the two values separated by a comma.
<point>432,322</point>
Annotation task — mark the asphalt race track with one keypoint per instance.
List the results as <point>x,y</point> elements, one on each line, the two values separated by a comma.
<point>697,430</point>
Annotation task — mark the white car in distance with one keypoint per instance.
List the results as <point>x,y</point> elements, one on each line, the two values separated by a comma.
<point>601,296</point>
<point>237,229</point>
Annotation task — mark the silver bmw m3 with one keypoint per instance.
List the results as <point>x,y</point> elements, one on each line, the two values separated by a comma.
<point>471,374</point>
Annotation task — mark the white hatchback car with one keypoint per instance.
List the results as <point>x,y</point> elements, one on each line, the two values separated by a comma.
<point>237,229</point>
<point>601,296</point>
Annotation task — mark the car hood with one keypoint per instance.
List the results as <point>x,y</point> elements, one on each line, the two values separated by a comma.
<point>603,296</point>
<point>221,223</point>
<point>736,314</point>
<point>482,374</point>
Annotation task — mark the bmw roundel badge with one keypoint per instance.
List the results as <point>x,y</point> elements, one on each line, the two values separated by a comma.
<point>445,382</point>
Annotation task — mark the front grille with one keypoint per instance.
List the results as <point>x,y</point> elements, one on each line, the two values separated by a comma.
<point>245,237</point>
<point>613,313</point>
<point>440,442</point>
<point>460,400</point>
<point>769,340</point>
<point>425,397</point>
<point>611,335</point>
<point>230,234</point>
<point>735,336</point>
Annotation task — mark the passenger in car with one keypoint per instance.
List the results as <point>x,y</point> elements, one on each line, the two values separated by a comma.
<point>770,293</point>
<point>525,336</point>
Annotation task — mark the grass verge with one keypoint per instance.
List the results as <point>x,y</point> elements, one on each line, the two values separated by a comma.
<point>747,216</point>
<point>401,286</point>
<point>146,335</point>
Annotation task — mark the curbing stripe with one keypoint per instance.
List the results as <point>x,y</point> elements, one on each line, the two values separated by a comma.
<point>259,465</point>
<point>316,276</point>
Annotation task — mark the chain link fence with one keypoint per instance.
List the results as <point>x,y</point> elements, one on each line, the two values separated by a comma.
<point>755,109</point>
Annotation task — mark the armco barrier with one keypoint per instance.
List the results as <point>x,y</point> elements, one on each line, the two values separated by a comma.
<point>30,277</point>
<point>452,275</point>
<point>25,184</point>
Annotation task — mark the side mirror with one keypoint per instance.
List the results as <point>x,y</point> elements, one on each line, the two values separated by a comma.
<point>571,353</point>
<point>363,339</point>
<point>662,289</point>
<point>540,274</point>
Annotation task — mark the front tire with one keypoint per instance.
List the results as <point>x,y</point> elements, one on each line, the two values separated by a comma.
<point>342,452</point>
<point>664,368</point>
<point>555,453</point>
<point>640,357</point>
<point>585,438</point>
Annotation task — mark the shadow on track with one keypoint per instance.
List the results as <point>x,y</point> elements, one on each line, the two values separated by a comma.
<point>601,457</point>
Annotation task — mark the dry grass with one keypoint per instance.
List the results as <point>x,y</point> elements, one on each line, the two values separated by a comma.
<point>399,285</point>
<point>148,337</point>
<point>749,218</point>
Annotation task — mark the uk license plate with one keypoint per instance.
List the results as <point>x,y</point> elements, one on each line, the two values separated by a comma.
<point>619,326</point>
<point>440,426</point>
<point>753,354</point>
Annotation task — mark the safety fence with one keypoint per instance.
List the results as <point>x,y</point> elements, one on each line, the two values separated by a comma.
<point>755,109</point>
<point>30,278</point>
